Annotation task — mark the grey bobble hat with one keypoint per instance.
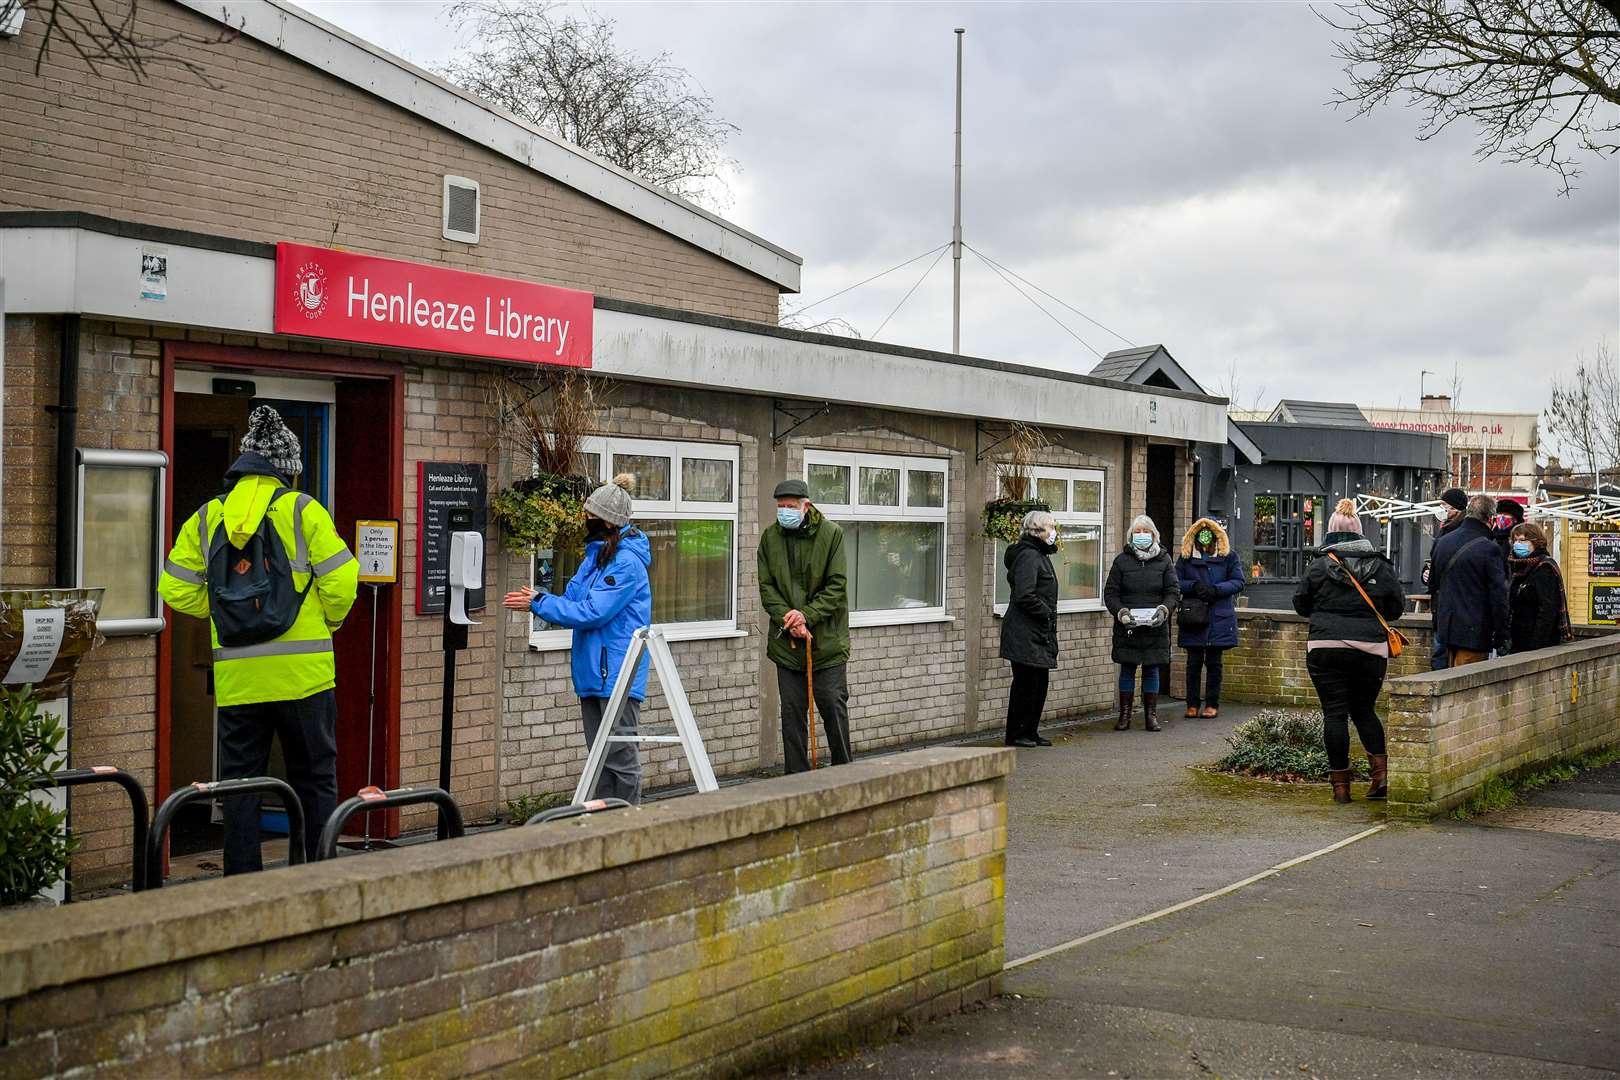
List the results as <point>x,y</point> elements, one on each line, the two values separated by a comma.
<point>611,502</point>
<point>269,437</point>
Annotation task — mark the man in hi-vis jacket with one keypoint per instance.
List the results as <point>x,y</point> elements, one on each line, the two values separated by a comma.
<point>263,563</point>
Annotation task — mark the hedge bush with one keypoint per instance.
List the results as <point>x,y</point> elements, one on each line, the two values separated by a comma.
<point>1282,745</point>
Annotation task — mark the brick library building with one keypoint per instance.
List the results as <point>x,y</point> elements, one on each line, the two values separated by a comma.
<point>309,222</point>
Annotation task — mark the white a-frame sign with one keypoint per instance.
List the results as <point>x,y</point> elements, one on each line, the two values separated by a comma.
<point>649,641</point>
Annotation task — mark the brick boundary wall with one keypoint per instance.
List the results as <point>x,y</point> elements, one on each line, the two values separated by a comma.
<point>1268,665</point>
<point>1451,731</point>
<point>708,935</point>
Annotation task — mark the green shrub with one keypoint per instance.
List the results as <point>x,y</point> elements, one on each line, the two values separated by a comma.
<point>524,807</point>
<point>1281,745</point>
<point>34,847</point>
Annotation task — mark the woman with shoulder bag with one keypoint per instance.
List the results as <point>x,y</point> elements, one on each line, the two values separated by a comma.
<point>1210,577</point>
<point>1351,593</point>
<point>1140,593</point>
<point>1029,629</point>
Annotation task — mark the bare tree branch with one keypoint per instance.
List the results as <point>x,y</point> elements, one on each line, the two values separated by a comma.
<point>1584,411</point>
<point>1540,79</point>
<point>794,320</point>
<point>109,33</point>
<point>566,74</point>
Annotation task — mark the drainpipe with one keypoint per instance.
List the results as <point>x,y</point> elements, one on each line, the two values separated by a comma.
<point>2,415</point>
<point>67,436</point>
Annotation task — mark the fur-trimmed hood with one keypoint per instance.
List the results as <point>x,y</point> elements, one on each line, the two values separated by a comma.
<point>1223,545</point>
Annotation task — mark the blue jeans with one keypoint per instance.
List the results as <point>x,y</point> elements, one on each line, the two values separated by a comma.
<point>1440,659</point>
<point>1150,678</point>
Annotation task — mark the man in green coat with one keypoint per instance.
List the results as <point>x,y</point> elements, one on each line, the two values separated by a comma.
<point>804,587</point>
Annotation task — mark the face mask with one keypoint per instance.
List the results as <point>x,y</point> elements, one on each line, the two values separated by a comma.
<point>1503,521</point>
<point>1142,541</point>
<point>1049,536</point>
<point>789,517</point>
<point>1521,549</point>
<point>1206,538</point>
<point>597,529</point>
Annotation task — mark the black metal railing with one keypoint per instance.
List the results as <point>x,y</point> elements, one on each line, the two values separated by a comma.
<point>107,774</point>
<point>557,813</point>
<point>372,799</point>
<point>223,789</point>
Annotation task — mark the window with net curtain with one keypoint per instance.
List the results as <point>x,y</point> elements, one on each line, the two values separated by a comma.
<point>892,511</point>
<point>1076,499</point>
<point>684,499</point>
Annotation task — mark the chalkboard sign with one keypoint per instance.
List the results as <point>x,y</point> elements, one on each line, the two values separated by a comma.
<point>1603,556</point>
<point>1605,604</point>
<point>441,487</point>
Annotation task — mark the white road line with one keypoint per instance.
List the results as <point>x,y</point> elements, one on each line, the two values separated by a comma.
<point>1185,904</point>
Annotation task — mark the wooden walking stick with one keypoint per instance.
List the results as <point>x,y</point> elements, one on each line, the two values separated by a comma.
<point>810,691</point>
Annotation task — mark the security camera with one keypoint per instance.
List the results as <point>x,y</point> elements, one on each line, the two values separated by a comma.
<point>11,18</point>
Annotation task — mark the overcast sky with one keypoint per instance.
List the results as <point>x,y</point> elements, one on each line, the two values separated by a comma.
<point>1168,169</point>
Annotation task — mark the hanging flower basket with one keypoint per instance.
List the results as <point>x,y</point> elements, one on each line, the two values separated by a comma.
<point>541,513</point>
<point>1004,518</point>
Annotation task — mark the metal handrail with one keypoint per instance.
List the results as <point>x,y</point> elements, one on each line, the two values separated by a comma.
<point>373,798</point>
<point>557,813</point>
<point>107,774</point>
<point>224,789</point>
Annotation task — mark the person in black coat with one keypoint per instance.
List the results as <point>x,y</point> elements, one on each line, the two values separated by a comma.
<point>1538,612</point>
<point>1208,571</point>
<point>1140,593</point>
<point>1509,513</point>
<point>1029,629</point>
<point>1468,581</point>
<point>1347,649</point>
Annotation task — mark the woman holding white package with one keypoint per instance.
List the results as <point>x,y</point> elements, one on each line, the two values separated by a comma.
<point>1141,592</point>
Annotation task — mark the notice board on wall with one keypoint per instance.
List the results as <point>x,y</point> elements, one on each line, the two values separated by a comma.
<point>1605,604</point>
<point>443,486</point>
<point>1603,555</point>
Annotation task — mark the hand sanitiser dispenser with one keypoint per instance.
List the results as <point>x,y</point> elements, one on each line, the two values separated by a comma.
<point>466,572</point>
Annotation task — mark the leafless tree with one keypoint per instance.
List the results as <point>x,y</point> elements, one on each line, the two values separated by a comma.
<point>108,33</point>
<point>1231,388</point>
<point>566,74</point>
<point>794,319</point>
<point>1540,78</point>
<point>1584,411</point>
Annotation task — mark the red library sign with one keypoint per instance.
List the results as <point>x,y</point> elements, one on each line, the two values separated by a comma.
<point>341,296</point>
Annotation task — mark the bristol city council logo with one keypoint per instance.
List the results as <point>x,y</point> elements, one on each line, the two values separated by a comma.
<point>309,282</point>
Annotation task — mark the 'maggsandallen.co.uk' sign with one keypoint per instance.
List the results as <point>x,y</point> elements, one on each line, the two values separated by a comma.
<point>342,296</point>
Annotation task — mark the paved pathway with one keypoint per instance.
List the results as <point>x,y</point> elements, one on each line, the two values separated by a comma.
<point>1448,950</point>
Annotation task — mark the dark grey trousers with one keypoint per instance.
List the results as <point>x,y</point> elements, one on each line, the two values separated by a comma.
<point>308,733</point>
<point>832,706</point>
<point>621,772</point>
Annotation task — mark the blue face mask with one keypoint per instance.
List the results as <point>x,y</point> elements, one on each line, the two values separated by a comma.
<point>1521,549</point>
<point>789,517</point>
<point>1143,541</point>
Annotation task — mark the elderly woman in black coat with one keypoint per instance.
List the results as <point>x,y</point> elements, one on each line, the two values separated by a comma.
<point>1141,592</point>
<point>1029,629</point>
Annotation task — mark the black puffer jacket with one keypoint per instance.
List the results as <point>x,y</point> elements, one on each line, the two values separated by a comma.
<point>1469,583</point>
<point>1336,610</point>
<point>1135,582</point>
<point>1029,629</point>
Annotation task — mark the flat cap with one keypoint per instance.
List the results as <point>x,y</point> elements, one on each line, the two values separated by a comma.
<point>792,489</point>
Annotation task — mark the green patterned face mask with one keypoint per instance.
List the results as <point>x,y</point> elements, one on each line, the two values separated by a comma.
<point>1205,537</point>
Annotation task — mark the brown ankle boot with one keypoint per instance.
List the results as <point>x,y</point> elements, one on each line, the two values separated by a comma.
<point>1378,788</point>
<point>1127,705</point>
<point>1150,711</point>
<point>1341,784</point>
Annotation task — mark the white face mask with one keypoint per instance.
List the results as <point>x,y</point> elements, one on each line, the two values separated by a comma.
<point>1143,541</point>
<point>1050,536</point>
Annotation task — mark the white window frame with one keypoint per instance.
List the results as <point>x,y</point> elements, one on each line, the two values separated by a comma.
<point>674,508</point>
<point>855,510</point>
<point>1073,517</point>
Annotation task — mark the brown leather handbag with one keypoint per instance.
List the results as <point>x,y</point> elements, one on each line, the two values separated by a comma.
<point>1397,640</point>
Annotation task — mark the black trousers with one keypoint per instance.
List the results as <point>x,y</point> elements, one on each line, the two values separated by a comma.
<point>1200,660</point>
<point>832,706</point>
<point>1347,683</point>
<point>1026,700</point>
<point>621,771</point>
<point>308,733</point>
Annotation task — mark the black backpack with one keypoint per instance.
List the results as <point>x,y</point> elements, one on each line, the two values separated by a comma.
<point>251,595</point>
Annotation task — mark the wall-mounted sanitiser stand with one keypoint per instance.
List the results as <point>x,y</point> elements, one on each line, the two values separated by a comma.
<point>647,641</point>
<point>465,574</point>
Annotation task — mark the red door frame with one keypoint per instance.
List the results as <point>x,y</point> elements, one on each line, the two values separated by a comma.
<point>176,353</point>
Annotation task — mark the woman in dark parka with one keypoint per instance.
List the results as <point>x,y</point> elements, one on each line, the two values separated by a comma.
<point>1538,611</point>
<point>1210,572</point>
<point>1142,579</point>
<point>1029,629</point>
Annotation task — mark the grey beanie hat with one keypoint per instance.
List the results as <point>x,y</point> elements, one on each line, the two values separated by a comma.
<point>611,502</point>
<point>269,437</point>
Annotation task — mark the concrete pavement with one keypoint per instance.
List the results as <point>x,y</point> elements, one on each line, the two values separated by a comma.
<point>1446,950</point>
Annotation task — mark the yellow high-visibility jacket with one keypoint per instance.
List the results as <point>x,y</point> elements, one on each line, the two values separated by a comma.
<point>300,662</point>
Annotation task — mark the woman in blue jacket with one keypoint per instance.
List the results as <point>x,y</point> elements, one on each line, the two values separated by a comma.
<point>607,601</point>
<point>1211,577</point>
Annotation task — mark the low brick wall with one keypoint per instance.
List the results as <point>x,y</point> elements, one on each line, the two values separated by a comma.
<point>1268,665</point>
<point>708,935</point>
<point>1451,731</point>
